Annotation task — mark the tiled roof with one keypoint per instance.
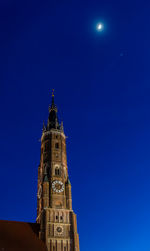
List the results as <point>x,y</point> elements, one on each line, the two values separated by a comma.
<point>20,236</point>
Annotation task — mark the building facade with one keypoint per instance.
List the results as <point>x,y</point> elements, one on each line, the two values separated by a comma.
<point>58,224</point>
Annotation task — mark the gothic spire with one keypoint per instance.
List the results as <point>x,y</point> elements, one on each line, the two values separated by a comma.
<point>53,103</point>
<point>53,118</point>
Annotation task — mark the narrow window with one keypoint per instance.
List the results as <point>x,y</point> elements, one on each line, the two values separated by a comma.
<point>57,171</point>
<point>56,145</point>
<point>46,147</point>
<point>49,230</point>
<point>56,217</point>
<point>45,157</point>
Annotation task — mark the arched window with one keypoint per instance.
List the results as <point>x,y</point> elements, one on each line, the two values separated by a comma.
<point>57,171</point>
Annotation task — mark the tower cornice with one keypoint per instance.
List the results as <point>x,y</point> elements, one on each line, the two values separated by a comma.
<point>53,131</point>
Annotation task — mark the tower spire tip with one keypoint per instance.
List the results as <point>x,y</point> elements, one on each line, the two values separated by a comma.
<point>52,92</point>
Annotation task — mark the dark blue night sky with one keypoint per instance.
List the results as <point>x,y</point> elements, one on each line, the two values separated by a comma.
<point>102,90</point>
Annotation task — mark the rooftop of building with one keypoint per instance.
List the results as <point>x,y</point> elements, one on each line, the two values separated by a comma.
<point>20,236</point>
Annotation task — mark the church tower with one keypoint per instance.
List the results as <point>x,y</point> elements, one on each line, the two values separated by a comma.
<point>58,225</point>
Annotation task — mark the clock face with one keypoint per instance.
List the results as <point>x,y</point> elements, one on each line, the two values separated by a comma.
<point>58,230</point>
<point>57,186</point>
<point>39,192</point>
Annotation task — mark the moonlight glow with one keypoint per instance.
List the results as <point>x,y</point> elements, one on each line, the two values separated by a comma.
<point>99,26</point>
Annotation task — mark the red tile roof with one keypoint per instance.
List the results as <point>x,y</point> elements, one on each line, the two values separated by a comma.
<point>20,236</point>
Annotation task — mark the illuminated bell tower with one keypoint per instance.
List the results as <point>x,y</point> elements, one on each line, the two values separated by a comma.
<point>58,226</point>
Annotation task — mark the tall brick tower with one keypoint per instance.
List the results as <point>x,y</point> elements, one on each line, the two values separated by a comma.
<point>54,199</point>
